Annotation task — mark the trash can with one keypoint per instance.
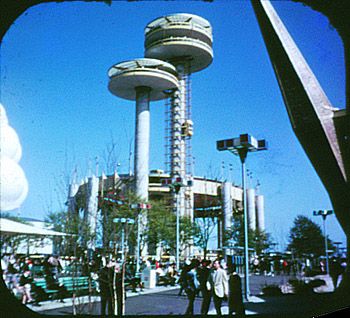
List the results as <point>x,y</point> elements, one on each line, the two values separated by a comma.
<point>148,277</point>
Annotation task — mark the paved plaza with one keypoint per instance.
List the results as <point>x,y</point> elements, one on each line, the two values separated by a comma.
<point>165,301</point>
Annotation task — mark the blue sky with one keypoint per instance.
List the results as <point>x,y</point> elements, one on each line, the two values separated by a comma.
<point>54,63</point>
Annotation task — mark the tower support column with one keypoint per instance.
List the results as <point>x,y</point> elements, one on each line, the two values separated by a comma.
<point>142,140</point>
<point>142,137</point>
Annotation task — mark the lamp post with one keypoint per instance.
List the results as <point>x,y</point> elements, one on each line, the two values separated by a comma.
<point>324,214</point>
<point>139,207</point>
<point>123,221</point>
<point>337,244</point>
<point>175,186</point>
<point>241,146</point>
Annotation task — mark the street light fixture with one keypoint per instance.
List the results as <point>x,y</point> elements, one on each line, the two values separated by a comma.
<point>337,244</point>
<point>324,214</point>
<point>123,221</point>
<point>139,207</point>
<point>241,146</point>
<point>175,184</point>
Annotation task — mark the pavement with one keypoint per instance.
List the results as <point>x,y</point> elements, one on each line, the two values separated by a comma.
<point>68,302</point>
<point>165,301</point>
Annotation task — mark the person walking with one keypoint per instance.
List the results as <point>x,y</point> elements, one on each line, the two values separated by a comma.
<point>219,285</point>
<point>335,270</point>
<point>119,289</point>
<point>106,288</point>
<point>190,284</point>
<point>235,299</point>
<point>203,273</point>
<point>182,277</point>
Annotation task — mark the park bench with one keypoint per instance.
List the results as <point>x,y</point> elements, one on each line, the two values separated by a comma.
<point>37,271</point>
<point>166,280</point>
<point>77,285</point>
<point>40,288</point>
<point>131,282</point>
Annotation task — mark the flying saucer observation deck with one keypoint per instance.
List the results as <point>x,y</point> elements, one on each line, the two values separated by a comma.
<point>155,75</point>
<point>180,37</point>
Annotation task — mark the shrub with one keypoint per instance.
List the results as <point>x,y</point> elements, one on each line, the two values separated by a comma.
<point>300,287</point>
<point>272,290</point>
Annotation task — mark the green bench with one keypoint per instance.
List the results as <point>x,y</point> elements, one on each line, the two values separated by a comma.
<point>40,284</point>
<point>77,285</point>
<point>37,271</point>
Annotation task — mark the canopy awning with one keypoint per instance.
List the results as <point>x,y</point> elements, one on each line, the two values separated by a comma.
<point>10,227</point>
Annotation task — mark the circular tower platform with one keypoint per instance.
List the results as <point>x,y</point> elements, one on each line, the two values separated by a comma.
<point>178,38</point>
<point>157,75</point>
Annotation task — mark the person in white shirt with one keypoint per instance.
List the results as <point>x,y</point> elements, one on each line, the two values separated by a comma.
<point>219,285</point>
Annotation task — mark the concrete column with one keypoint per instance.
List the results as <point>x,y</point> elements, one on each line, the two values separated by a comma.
<point>142,136</point>
<point>260,213</point>
<point>91,203</point>
<point>251,208</point>
<point>226,211</point>
<point>72,191</point>
<point>142,140</point>
<point>226,204</point>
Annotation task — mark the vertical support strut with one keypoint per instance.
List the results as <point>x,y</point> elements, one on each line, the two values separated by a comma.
<point>142,137</point>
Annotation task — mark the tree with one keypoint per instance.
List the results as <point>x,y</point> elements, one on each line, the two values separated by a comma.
<point>162,226</point>
<point>120,205</point>
<point>188,231</point>
<point>261,241</point>
<point>161,222</point>
<point>205,226</point>
<point>306,238</point>
<point>68,223</point>
<point>258,240</point>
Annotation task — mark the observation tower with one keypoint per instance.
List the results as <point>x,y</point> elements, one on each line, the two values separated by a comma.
<point>142,80</point>
<point>184,40</point>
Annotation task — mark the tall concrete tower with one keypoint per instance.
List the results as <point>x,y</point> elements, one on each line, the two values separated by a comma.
<point>260,212</point>
<point>251,208</point>
<point>142,80</point>
<point>184,40</point>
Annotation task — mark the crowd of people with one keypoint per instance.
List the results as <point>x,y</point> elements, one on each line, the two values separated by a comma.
<point>214,281</point>
<point>18,275</point>
<point>271,266</point>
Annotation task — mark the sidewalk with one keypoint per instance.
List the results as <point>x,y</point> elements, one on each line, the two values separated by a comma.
<point>68,302</point>
<point>165,300</point>
<point>252,299</point>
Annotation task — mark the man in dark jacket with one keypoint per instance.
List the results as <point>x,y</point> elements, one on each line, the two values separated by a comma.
<point>190,284</point>
<point>106,288</point>
<point>203,273</point>
<point>235,299</point>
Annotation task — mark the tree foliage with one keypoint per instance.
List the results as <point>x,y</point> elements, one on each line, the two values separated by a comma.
<point>12,241</point>
<point>162,227</point>
<point>306,238</point>
<point>65,222</point>
<point>204,229</point>
<point>258,240</point>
